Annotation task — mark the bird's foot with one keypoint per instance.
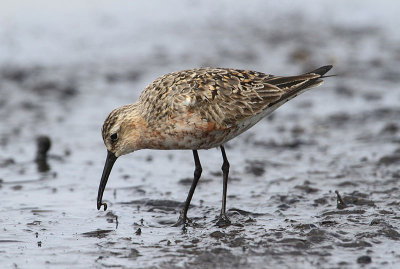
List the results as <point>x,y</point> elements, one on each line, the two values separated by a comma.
<point>182,221</point>
<point>223,221</point>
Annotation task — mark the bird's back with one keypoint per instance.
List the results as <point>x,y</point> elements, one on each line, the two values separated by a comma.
<point>221,95</point>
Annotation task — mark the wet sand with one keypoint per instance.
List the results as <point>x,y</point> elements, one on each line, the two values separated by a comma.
<point>343,136</point>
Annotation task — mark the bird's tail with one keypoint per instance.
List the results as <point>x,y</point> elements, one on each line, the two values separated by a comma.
<point>296,85</point>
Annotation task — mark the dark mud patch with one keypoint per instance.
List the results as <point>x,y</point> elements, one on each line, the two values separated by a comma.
<point>97,233</point>
<point>345,90</point>
<point>364,259</point>
<point>188,181</point>
<point>236,211</point>
<point>393,159</point>
<point>317,235</point>
<point>130,76</point>
<point>162,204</point>
<point>347,184</point>
<point>256,168</point>
<point>344,212</point>
<point>358,199</point>
<point>218,258</point>
<point>295,243</point>
<point>7,162</point>
<point>358,244</point>
<point>289,145</point>
<point>306,187</point>
<point>18,74</point>
<point>306,226</point>
<point>62,89</point>
<point>390,129</point>
<point>9,241</point>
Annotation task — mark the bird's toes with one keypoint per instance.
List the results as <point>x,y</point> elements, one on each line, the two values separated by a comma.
<point>223,221</point>
<point>182,221</point>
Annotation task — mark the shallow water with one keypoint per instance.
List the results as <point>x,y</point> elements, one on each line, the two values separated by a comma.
<point>343,136</point>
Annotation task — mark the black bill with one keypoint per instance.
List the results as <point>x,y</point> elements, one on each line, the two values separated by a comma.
<point>106,173</point>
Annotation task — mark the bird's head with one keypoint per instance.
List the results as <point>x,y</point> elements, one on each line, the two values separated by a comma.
<point>121,135</point>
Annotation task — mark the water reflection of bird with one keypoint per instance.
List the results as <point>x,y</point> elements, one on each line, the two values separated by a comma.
<point>198,109</point>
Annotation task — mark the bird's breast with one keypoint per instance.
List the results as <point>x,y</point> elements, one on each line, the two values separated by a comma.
<point>186,131</point>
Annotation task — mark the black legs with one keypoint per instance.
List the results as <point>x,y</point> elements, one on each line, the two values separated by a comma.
<point>223,220</point>
<point>197,173</point>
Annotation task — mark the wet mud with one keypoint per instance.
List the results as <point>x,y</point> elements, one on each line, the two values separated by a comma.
<point>316,185</point>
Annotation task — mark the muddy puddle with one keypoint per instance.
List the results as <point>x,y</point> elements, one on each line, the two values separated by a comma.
<point>316,185</point>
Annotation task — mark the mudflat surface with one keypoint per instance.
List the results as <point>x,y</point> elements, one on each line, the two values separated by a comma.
<point>64,68</point>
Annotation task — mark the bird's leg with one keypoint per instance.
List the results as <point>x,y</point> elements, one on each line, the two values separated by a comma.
<point>197,173</point>
<point>223,219</point>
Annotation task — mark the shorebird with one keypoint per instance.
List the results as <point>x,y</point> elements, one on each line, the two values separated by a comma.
<point>198,109</point>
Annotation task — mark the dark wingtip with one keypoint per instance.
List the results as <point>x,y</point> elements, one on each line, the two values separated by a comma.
<point>322,70</point>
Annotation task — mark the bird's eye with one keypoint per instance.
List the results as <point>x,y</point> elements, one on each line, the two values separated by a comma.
<point>114,137</point>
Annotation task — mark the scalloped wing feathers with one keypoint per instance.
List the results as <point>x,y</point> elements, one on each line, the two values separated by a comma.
<point>220,95</point>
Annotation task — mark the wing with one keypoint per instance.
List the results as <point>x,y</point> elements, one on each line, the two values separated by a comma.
<point>219,95</point>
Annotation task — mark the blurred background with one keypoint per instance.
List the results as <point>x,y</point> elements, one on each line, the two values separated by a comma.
<point>65,65</point>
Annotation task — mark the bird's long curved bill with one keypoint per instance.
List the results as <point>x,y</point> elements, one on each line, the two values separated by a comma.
<point>106,173</point>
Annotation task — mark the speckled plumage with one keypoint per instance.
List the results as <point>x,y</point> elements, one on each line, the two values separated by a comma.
<point>204,108</point>
<point>198,109</point>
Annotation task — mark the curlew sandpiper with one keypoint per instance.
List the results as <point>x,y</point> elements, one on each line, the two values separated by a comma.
<point>198,109</point>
